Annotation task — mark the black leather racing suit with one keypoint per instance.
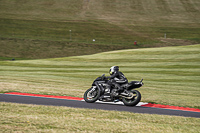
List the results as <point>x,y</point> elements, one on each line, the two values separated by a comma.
<point>116,79</point>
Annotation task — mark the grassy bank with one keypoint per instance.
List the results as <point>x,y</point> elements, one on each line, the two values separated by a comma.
<point>51,28</point>
<point>171,74</point>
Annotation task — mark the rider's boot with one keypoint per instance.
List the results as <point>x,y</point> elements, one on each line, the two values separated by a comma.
<point>119,88</point>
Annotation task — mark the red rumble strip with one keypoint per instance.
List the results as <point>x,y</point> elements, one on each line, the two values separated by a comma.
<point>81,99</point>
<point>46,96</point>
<point>171,107</point>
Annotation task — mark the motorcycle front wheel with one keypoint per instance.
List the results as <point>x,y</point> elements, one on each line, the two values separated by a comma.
<point>92,95</point>
<point>136,97</point>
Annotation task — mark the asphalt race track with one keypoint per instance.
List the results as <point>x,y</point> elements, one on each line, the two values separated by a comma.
<point>101,106</point>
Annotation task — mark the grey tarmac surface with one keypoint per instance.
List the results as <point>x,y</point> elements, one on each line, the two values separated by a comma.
<point>101,106</point>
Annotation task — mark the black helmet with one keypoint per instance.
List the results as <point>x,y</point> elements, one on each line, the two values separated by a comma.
<point>113,69</point>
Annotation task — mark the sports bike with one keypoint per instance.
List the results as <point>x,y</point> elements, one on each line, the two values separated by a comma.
<point>101,90</point>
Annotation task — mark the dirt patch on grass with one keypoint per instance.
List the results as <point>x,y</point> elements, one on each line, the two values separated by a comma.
<point>176,42</point>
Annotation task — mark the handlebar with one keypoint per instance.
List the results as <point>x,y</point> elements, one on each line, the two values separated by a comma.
<point>103,76</point>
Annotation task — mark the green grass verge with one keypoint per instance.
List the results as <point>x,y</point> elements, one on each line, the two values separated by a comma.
<point>171,74</point>
<point>34,118</point>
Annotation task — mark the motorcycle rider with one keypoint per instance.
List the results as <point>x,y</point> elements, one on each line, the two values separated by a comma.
<point>116,78</point>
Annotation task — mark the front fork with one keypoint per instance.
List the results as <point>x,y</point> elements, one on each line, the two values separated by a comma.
<point>93,89</point>
<point>100,87</point>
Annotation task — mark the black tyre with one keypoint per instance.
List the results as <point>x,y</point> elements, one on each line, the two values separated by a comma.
<point>134,100</point>
<point>92,95</point>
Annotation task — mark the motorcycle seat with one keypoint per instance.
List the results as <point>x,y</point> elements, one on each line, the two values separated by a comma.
<point>124,85</point>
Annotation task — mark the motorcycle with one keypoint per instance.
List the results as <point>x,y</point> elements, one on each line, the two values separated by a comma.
<point>102,91</point>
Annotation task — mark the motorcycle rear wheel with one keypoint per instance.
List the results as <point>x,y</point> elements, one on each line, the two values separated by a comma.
<point>91,96</point>
<point>133,101</point>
